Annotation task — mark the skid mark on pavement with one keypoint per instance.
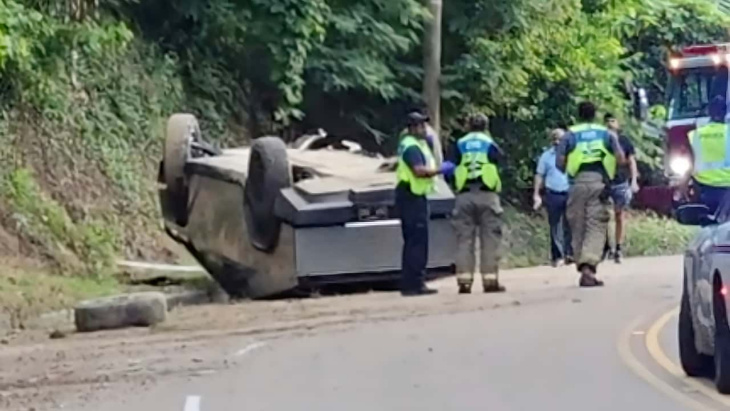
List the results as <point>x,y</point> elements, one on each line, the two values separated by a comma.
<point>192,403</point>
<point>249,348</point>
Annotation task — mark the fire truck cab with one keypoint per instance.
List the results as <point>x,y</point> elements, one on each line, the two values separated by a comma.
<point>696,76</point>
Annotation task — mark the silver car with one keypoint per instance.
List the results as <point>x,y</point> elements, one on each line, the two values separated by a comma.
<point>704,334</point>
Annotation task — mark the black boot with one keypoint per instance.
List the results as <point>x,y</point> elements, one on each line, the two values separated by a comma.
<point>588,276</point>
<point>493,286</point>
<point>415,292</point>
<point>618,255</point>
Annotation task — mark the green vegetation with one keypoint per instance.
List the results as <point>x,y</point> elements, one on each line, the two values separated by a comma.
<point>527,240</point>
<point>649,235</point>
<point>85,88</point>
<point>27,291</point>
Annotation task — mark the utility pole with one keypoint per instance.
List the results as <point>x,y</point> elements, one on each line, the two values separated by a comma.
<point>432,71</point>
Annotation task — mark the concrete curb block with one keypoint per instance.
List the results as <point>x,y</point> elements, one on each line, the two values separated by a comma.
<point>65,320</point>
<point>142,309</point>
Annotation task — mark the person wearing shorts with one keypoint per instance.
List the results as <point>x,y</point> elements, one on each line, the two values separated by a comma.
<point>623,187</point>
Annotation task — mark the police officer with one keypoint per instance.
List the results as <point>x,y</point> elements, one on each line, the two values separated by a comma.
<point>478,210</point>
<point>416,172</point>
<point>589,154</point>
<point>710,147</point>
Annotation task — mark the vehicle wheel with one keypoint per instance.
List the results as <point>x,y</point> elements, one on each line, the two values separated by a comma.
<point>722,342</point>
<point>130,310</point>
<point>268,173</point>
<point>694,363</point>
<point>182,130</point>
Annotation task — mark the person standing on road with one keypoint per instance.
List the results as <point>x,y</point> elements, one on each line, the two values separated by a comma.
<point>416,172</point>
<point>589,153</point>
<point>710,148</point>
<point>478,209</point>
<point>556,199</point>
<point>623,187</point>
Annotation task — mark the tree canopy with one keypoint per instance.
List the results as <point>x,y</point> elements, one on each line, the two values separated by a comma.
<point>252,67</point>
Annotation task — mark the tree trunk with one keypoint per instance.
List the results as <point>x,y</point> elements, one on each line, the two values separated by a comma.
<point>432,71</point>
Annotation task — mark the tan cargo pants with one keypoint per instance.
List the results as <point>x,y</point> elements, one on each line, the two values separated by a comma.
<point>588,216</point>
<point>477,212</point>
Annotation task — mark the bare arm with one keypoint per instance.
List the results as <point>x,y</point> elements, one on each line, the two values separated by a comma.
<point>618,151</point>
<point>634,170</point>
<point>422,171</point>
<point>536,199</point>
<point>537,185</point>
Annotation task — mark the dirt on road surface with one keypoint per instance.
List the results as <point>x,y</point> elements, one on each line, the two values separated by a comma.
<point>38,373</point>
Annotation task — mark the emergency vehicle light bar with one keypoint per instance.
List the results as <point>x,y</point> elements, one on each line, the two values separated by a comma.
<point>697,55</point>
<point>715,59</point>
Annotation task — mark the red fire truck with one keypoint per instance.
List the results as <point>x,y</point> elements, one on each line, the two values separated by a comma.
<point>696,75</point>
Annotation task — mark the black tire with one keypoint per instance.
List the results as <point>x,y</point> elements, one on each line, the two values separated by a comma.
<point>182,130</point>
<point>722,341</point>
<point>268,173</point>
<point>694,363</point>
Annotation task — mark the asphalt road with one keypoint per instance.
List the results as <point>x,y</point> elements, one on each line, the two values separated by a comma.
<point>555,347</point>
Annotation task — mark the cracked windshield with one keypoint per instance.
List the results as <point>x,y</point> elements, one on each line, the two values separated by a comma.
<point>364,205</point>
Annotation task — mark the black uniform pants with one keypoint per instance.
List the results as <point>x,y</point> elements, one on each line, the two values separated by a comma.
<point>560,239</point>
<point>414,215</point>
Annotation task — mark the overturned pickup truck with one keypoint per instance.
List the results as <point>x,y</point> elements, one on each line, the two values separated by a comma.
<point>268,219</point>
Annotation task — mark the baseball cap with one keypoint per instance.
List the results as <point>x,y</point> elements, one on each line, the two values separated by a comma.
<point>415,118</point>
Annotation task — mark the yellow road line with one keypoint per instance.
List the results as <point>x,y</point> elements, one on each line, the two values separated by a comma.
<point>624,351</point>
<point>661,358</point>
<point>655,349</point>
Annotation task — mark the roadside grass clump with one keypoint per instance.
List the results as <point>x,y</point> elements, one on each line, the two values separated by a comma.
<point>648,234</point>
<point>526,239</point>
<point>27,290</point>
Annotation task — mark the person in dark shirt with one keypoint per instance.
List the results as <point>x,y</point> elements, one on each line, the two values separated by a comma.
<point>496,155</point>
<point>416,174</point>
<point>589,154</point>
<point>623,187</point>
<point>478,211</point>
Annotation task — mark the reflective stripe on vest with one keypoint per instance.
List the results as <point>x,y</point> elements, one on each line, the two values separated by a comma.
<point>474,150</point>
<point>419,186</point>
<point>591,147</point>
<point>711,149</point>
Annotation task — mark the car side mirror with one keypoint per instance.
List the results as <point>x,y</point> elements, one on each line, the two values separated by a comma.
<point>641,104</point>
<point>694,214</point>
